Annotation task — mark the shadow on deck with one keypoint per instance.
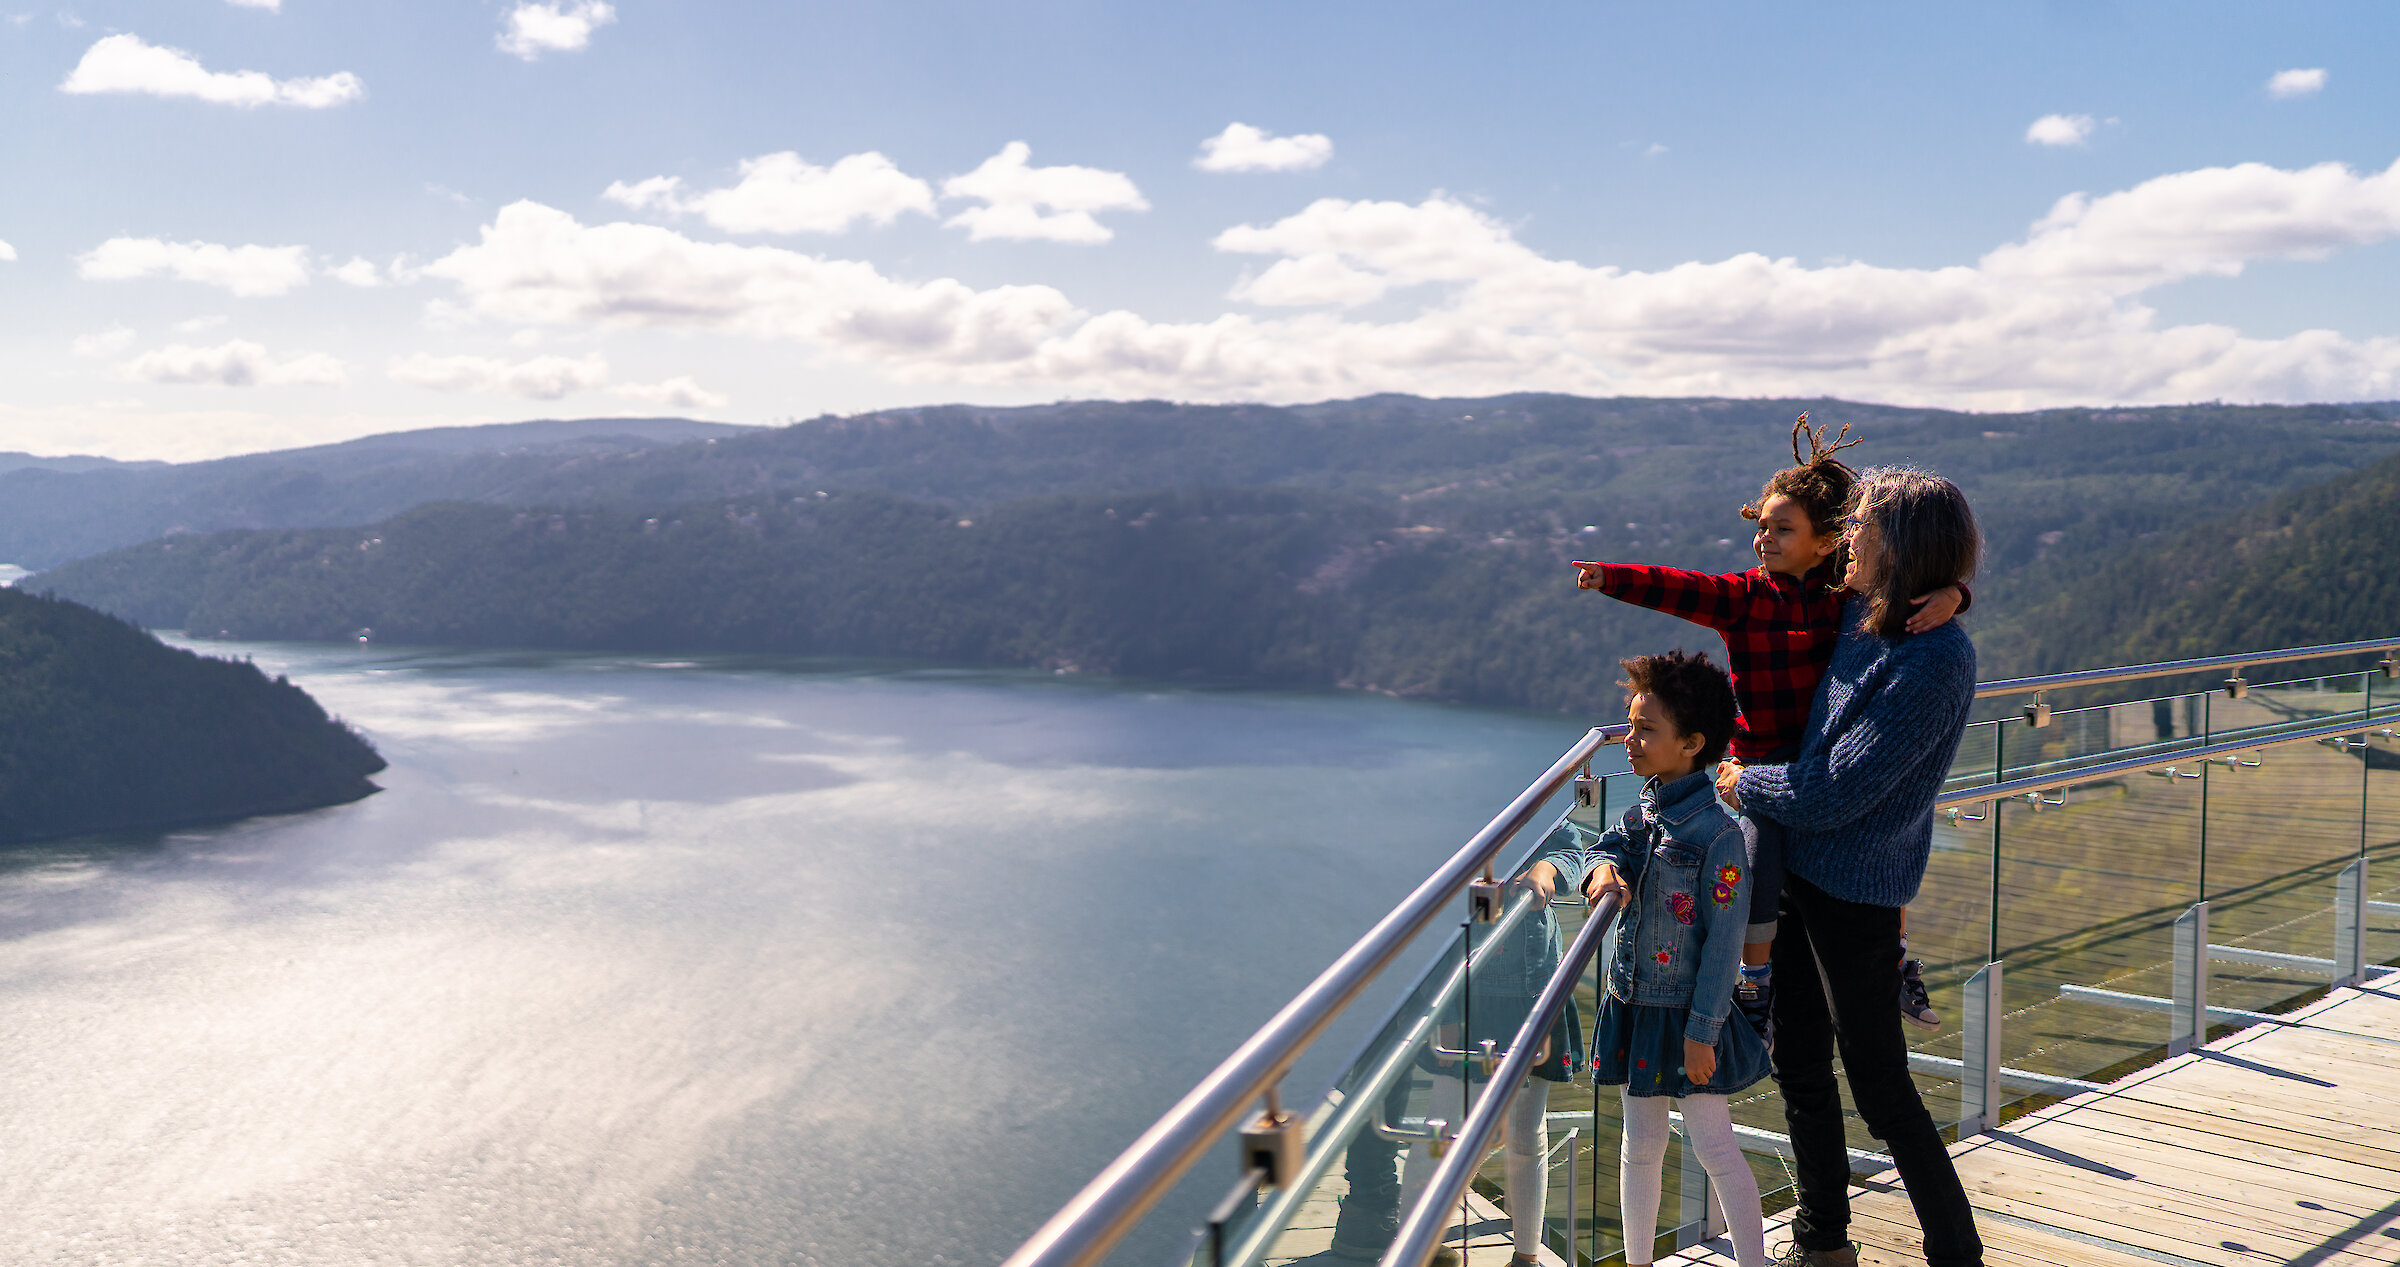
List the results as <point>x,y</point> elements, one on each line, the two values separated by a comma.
<point>2278,1144</point>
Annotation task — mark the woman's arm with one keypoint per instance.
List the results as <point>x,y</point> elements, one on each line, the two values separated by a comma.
<point>1924,699</point>
<point>1724,902</point>
<point>1719,602</point>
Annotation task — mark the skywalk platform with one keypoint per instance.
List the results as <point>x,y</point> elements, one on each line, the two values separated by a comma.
<point>2278,1144</point>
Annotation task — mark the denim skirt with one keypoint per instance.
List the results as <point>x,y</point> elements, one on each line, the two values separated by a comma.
<point>1640,1048</point>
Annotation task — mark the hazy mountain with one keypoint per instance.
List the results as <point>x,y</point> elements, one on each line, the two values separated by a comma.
<point>2047,482</point>
<point>53,509</point>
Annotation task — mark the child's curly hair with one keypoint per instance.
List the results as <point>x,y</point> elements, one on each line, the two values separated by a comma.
<point>1822,484</point>
<point>1696,693</point>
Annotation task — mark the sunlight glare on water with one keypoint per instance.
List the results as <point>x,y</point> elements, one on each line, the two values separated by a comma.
<point>719,962</point>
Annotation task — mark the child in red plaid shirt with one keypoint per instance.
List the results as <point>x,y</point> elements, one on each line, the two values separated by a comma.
<point>1780,621</point>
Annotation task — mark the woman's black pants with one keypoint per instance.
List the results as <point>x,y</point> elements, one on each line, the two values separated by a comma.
<point>1837,987</point>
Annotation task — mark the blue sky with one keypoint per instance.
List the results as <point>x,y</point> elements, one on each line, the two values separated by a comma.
<point>399,214</point>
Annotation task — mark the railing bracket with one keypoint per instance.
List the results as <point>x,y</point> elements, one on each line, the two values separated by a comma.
<point>1275,1144</point>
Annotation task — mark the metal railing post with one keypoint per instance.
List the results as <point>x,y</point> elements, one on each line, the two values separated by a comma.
<point>2350,925</point>
<point>2190,1025</point>
<point>1979,1082</point>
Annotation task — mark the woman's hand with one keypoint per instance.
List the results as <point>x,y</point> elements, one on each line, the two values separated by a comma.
<point>1589,579</point>
<point>1729,778</point>
<point>1603,881</point>
<point>1699,1062</point>
<point>1934,610</point>
<point>1541,880</point>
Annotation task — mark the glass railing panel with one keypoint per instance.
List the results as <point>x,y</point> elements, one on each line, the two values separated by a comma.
<point>1370,1138</point>
<point>2088,893</point>
<point>2092,735</point>
<point>2279,833</point>
<point>2381,757</point>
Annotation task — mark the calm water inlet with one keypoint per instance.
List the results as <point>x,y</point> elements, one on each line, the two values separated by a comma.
<point>715,962</point>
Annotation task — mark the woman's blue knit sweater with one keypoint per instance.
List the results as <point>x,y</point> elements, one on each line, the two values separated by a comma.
<point>1857,802</point>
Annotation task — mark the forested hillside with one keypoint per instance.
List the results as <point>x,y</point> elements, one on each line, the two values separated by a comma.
<point>1277,585</point>
<point>2313,566</point>
<point>1400,544</point>
<point>1654,478</point>
<point>104,728</point>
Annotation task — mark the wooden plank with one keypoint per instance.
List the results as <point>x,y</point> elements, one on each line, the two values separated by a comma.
<point>2372,1147</point>
<point>2172,1218</point>
<point>1890,1223</point>
<point>2271,1180</point>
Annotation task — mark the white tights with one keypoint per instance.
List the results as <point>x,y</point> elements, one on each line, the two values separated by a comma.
<point>1528,1146</point>
<point>1708,1127</point>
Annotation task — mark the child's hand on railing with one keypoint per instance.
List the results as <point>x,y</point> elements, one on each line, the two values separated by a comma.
<point>1699,1062</point>
<point>1603,881</point>
<point>1541,880</point>
<point>1934,610</point>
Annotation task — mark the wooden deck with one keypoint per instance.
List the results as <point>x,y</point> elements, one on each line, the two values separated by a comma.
<point>2278,1144</point>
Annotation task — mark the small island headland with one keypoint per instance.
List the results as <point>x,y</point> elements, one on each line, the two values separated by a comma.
<point>105,728</point>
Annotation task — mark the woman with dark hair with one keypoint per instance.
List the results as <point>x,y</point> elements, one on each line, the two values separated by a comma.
<point>1857,803</point>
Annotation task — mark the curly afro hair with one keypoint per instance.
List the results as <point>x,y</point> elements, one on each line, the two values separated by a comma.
<point>1696,693</point>
<point>1822,484</point>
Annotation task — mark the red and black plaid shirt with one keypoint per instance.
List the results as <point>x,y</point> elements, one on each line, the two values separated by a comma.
<point>1779,635</point>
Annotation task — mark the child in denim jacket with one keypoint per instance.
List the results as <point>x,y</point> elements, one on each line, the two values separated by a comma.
<point>1667,1027</point>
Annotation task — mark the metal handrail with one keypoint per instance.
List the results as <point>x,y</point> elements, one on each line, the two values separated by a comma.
<point>1421,1230</point>
<point>2136,672</point>
<point>1366,1098</point>
<point>1107,1207</point>
<point>2351,724</point>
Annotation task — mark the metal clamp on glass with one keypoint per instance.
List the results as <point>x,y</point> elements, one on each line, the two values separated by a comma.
<point>1587,789</point>
<point>1484,897</point>
<point>1958,813</point>
<point>1436,1134</point>
<point>2037,713</point>
<point>2234,761</point>
<point>1275,1144</point>
<point>2348,743</point>
<point>1488,1058</point>
<point>2236,687</point>
<point>2040,802</point>
<point>2388,666</point>
<point>2170,772</point>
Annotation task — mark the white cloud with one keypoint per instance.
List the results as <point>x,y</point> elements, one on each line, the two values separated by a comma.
<point>7,252</point>
<point>1242,148</point>
<point>542,378</point>
<point>679,392</point>
<point>358,272</point>
<point>1025,203</point>
<point>108,342</point>
<point>2296,83</point>
<point>246,271</point>
<point>2204,223</point>
<point>2060,129</point>
<point>537,265</point>
<point>194,325</point>
<point>123,63</point>
<point>783,193</point>
<point>2054,317</point>
<point>271,6</point>
<point>535,29</point>
<point>236,364</point>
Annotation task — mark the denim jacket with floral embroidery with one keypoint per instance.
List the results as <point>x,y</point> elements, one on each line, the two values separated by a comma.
<point>1687,862</point>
